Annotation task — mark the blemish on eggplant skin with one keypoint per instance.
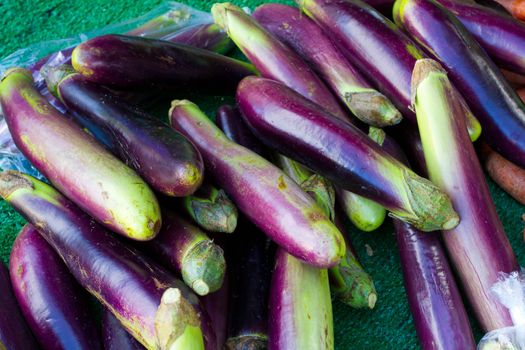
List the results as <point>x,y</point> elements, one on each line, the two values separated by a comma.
<point>281,183</point>
<point>316,216</point>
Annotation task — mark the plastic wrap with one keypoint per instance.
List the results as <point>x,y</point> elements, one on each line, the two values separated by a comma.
<point>167,20</point>
<point>510,291</point>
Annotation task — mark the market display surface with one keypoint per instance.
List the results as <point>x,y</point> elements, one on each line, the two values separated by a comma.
<point>247,155</point>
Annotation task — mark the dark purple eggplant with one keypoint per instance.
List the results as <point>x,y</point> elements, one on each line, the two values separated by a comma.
<point>133,62</point>
<point>53,303</point>
<point>184,248</point>
<point>125,282</point>
<point>489,95</point>
<point>14,331</point>
<point>75,163</point>
<point>273,201</point>
<point>342,153</point>
<point>272,58</point>
<point>115,337</point>
<point>217,307</point>
<point>478,247</point>
<point>310,42</point>
<point>162,156</point>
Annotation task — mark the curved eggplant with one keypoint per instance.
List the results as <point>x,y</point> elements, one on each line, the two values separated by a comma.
<point>75,163</point>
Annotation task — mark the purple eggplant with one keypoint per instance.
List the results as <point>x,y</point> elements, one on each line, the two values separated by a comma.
<point>268,197</point>
<point>493,101</point>
<point>300,307</point>
<point>301,130</point>
<point>272,58</point>
<point>54,305</point>
<point>217,307</point>
<point>75,163</point>
<point>164,158</point>
<point>14,331</point>
<point>125,282</point>
<point>433,296</point>
<point>478,247</point>
<point>250,269</point>
<point>211,209</point>
<point>502,37</point>
<point>115,336</point>
<point>133,62</point>
<point>314,46</point>
<point>184,248</point>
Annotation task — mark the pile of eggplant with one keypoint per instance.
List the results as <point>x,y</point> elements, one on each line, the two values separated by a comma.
<point>230,231</point>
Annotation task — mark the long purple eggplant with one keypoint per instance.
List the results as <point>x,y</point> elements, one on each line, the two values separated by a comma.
<point>115,337</point>
<point>272,58</point>
<point>75,163</point>
<point>125,282</point>
<point>314,46</point>
<point>273,201</point>
<point>502,37</point>
<point>186,249</point>
<point>164,158</point>
<point>133,62</point>
<point>491,98</point>
<point>301,130</point>
<point>433,296</point>
<point>250,270</point>
<point>14,331</point>
<point>478,246</point>
<point>53,303</point>
<point>217,306</point>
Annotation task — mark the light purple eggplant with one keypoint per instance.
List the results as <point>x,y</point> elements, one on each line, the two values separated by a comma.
<point>164,158</point>
<point>478,247</point>
<point>115,337</point>
<point>299,129</point>
<point>184,248</point>
<point>273,201</point>
<point>53,303</point>
<point>310,42</point>
<point>14,331</point>
<point>490,97</point>
<point>75,163</point>
<point>133,62</point>
<point>124,281</point>
<point>272,58</point>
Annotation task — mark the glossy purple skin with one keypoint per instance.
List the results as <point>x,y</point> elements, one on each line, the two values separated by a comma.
<point>131,62</point>
<point>492,100</point>
<point>115,337</point>
<point>277,115</point>
<point>435,302</point>
<point>372,43</point>
<point>14,331</point>
<point>54,305</point>
<point>217,307</point>
<point>162,156</point>
<point>502,36</point>
<point>229,120</point>
<point>118,276</point>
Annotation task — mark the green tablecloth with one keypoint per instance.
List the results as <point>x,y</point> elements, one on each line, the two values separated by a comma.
<point>389,325</point>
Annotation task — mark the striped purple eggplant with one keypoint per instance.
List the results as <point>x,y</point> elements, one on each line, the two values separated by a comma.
<point>301,130</point>
<point>115,337</point>
<point>211,209</point>
<point>272,58</point>
<point>314,46</point>
<point>261,191</point>
<point>14,331</point>
<point>53,303</point>
<point>217,306</point>
<point>133,62</point>
<point>502,37</point>
<point>478,247</point>
<point>184,248</point>
<point>125,282</point>
<point>493,101</point>
<point>435,302</point>
<point>164,158</point>
<point>75,163</point>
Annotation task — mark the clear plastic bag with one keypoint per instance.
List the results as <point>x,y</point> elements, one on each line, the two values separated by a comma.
<point>168,18</point>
